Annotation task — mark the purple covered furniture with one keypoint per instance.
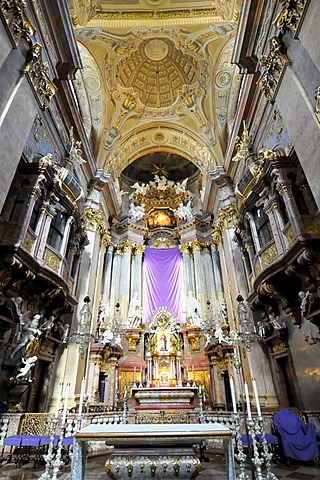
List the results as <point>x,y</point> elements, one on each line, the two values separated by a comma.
<point>298,439</point>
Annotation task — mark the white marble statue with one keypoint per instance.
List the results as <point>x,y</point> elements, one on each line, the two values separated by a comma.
<point>261,329</point>
<point>134,312</point>
<point>136,212</point>
<point>274,320</point>
<point>28,364</point>
<point>209,338</point>
<point>184,212</point>
<point>193,310</point>
<point>28,331</point>
<point>104,313</point>
<point>181,187</point>
<point>305,298</point>
<point>140,189</point>
<point>107,336</point>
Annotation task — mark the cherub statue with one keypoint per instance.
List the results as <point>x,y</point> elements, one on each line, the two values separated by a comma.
<point>184,212</point>
<point>29,363</point>
<point>136,212</point>
<point>140,189</point>
<point>181,187</point>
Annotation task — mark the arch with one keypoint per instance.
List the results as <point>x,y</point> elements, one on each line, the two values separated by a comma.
<point>164,137</point>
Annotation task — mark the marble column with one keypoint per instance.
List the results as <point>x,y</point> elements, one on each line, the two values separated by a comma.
<point>136,272</point>
<point>65,240</point>
<point>188,269</point>
<point>107,273</point>
<point>216,265</point>
<point>270,209</point>
<point>17,116</point>
<point>115,279</point>
<point>47,213</point>
<point>125,280</point>
<point>285,190</point>
<point>208,273</point>
<point>200,287</point>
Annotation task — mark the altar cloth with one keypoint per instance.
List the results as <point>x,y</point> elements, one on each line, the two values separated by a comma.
<point>126,432</point>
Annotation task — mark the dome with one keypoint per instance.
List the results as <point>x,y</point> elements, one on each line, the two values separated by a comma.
<point>157,70</point>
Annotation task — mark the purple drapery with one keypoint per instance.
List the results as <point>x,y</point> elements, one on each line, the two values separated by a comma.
<point>162,282</point>
<point>298,439</point>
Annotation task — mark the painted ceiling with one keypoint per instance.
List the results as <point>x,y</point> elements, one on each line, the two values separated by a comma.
<point>157,82</point>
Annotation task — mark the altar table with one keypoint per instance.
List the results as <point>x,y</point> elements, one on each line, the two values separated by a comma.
<point>156,444</point>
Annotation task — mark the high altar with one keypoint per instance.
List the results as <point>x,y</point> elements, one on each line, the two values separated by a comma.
<point>161,385</point>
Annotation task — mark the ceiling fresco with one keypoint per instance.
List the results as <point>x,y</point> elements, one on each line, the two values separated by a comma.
<point>154,64</point>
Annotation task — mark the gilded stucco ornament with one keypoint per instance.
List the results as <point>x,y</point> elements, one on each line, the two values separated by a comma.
<point>38,71</point>
<point>14,12</point>
<point>272,67</point>
<point>94,221</point>
<point>290,15</point>
<point>152,137</point>
<point>241,145</point>
<point>227,218</point>
<point>157,72</point>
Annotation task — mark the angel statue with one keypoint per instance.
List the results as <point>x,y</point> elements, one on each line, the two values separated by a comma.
<point>134,312</point>
<point>194,311</point>
<point>29,363</point>
<point>136,212</point>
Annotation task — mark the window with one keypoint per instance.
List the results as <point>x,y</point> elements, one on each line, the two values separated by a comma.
<point>56,231</point>
<point>262,223</point>
<point>35,214</point>
<point>17,207</point>
<point>283,209</point>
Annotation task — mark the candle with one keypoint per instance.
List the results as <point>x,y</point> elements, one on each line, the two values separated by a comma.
<point>66,395</point>
<point>247,400</point>
<point>81,396</point>
<point>193,368</point>
<point>256,396</point>
<point>59,399</point>
<point>233,395</point>
<point>199,389</point>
